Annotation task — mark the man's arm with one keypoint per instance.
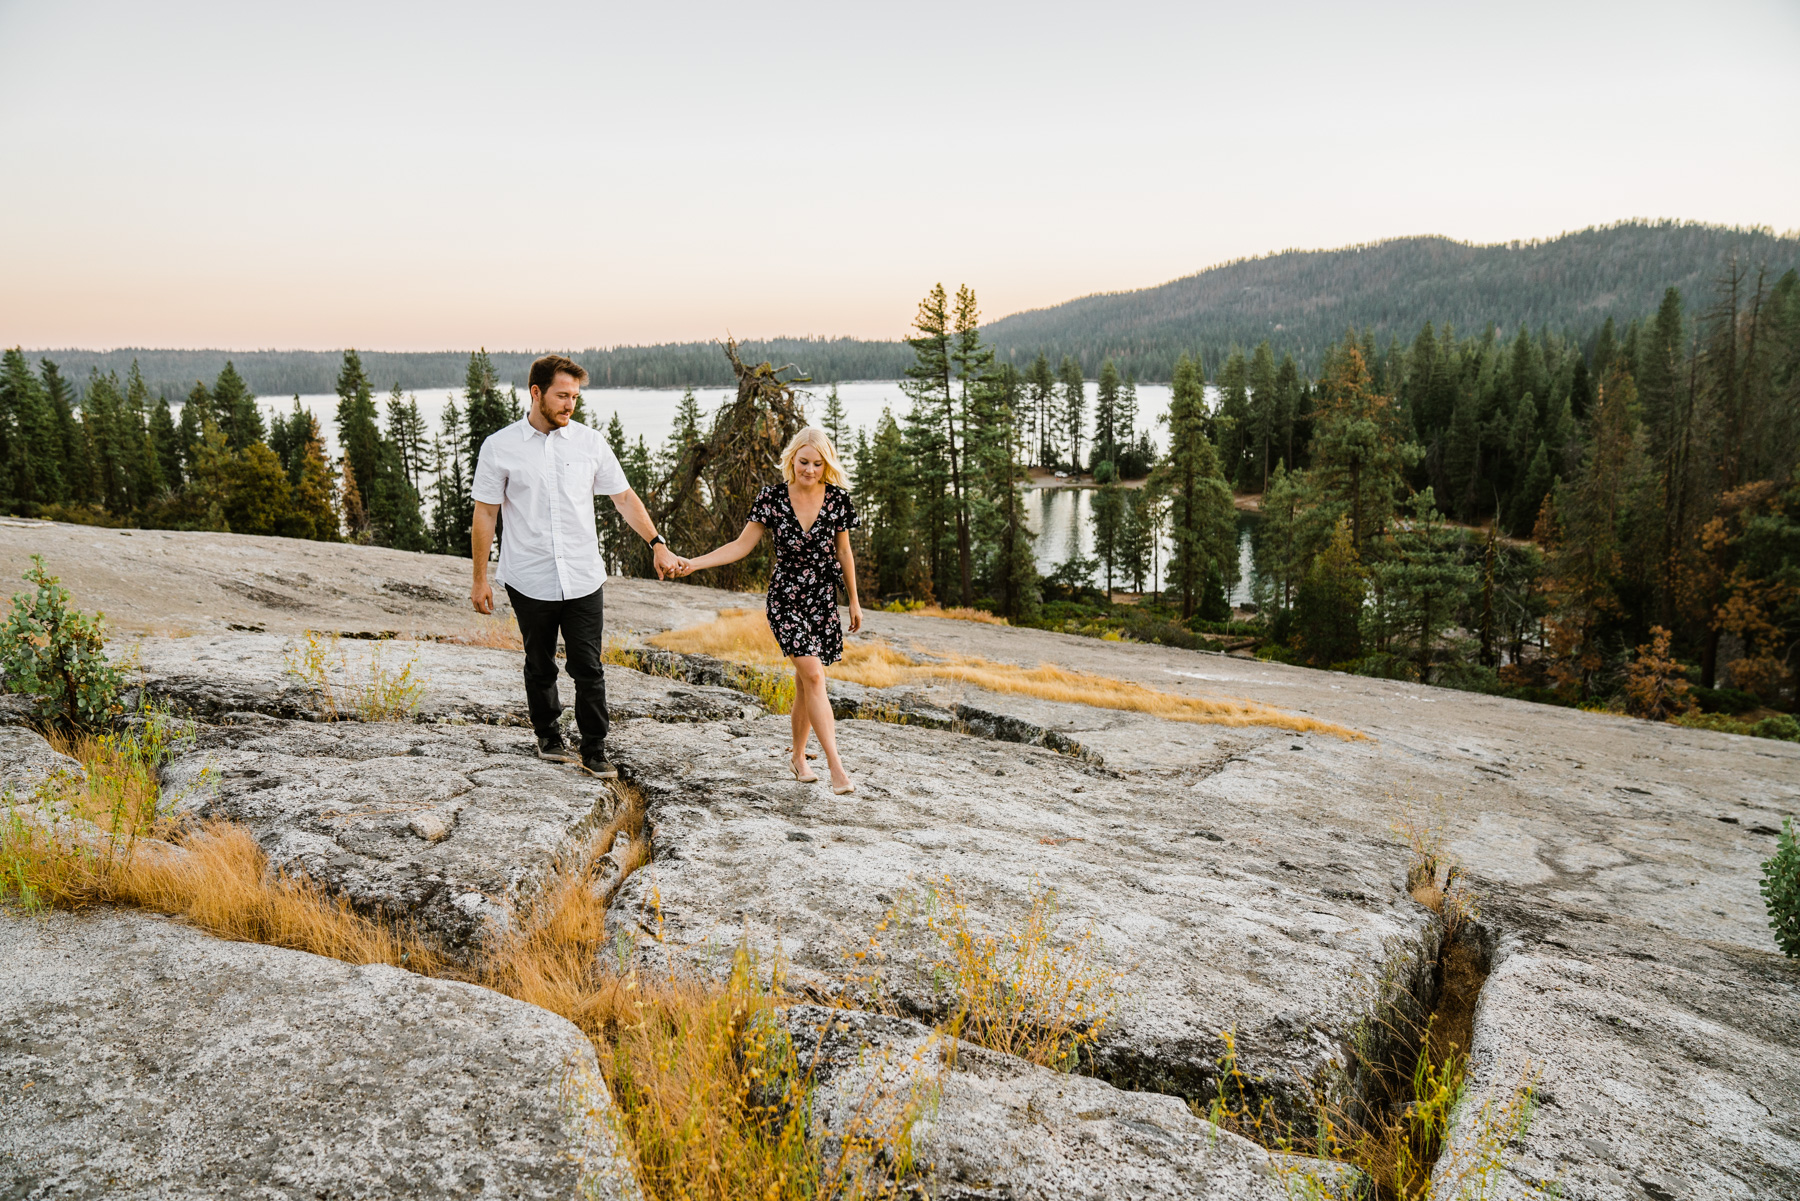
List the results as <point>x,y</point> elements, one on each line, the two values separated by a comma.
<point>638,518</point>
<point>481,542</point>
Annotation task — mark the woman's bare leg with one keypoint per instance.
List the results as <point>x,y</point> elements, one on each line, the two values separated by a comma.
<point>802,723</point>
<point>818,712</point>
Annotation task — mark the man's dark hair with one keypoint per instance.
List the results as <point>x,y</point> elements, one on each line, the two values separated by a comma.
<point>546,369</point>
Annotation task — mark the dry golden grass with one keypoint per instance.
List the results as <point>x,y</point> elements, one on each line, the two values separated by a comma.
<point>958,613</point>
<point>742,635</point>
<point>103,841</point>
<point>495,633</point>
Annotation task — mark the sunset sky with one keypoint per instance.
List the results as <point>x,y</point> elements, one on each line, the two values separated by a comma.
<point>443,175</point>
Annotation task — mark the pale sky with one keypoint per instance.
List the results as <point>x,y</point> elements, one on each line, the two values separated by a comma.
<point>518,175</point>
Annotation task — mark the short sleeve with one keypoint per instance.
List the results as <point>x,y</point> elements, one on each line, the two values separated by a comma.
<point>489,487</point>
<point>763,509</point>
<point>851,519</point>
<point>609,477</point>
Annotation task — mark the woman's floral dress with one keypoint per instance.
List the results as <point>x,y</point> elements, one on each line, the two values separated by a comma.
<point>803,590</point>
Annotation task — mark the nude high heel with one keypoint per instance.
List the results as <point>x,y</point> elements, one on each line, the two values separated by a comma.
<point>811,777</point>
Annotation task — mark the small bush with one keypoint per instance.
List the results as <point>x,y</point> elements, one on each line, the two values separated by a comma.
<point>1780,725</point>
<point>57,655</point>
<point>1781,891</point>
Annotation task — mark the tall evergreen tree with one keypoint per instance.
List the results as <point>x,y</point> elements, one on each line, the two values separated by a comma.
<point>1202,520</point>
<point>834,422</point>
<point>234,408</point>
<point>196,419</point>
<point>1073,412</point>
<point>1232,423</point>
<point>486,411</point>
<point>167,440</point>
<point>1040,387</point>
<point>1359,449</point>
<point>451,508</point>
<point>1106,416</point>
<point>1109,530</point>
<point>1265,414</point>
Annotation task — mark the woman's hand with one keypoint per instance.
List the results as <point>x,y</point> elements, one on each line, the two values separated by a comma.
<point>855,617</point>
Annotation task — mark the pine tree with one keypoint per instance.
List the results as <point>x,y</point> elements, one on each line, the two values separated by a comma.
<point>834,423</point>
<point>406,430</point>
<point>1265,413</point>
<point>1202,519</point>
<point>1074,407</point>
<point>1109,530</point>
<point>1328,606</point>
<point>234,408</point>
<point>1106,417</point>
<point>1358,448</point>
<point>485,412</point>
<point>196,419</point>
<point>1007,566</point>
<point>312,504</point>
<point>1137,541</point>
<point>167,440</point>
<point>1234,431</point>
<point>884,498</point>
<point>144,466</point>
<point>108,442</point>
<point>71,457</point>
<point>1529,498</point>
<point>1289,402</point>
<point>358,435</point>
<point>31,459</point>
<point>1040,387</point>
<point>451,508</point>
<point>1423,578</point>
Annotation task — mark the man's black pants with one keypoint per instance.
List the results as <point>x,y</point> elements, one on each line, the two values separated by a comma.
<point>579,621</point>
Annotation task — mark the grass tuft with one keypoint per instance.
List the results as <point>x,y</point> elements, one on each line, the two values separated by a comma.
<point>378,693</point>
<point>742,636</point>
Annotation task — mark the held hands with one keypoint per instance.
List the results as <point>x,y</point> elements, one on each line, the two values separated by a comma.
<point>666,562</point>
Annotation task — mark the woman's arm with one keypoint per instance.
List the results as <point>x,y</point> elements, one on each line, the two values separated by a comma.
<point>732,551</point>
<point>847,558</point>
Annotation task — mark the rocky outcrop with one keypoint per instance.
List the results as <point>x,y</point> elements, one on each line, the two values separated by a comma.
<point>447,827</point>
<point>985,1125</point>
<point>27,761</point>
<point>1211,920</point>
<point>141,1058</point>
<point>212,676</point>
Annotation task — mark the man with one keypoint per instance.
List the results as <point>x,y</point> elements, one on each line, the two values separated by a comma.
<point>542,474</point>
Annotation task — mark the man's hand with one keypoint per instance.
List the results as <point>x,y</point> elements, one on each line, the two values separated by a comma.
<point>481,595</point>
<point>665,560</point>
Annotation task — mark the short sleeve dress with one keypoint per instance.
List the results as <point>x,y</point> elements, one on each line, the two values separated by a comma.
<point>803,589</point>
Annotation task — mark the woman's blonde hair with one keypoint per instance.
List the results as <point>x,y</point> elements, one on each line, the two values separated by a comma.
<point>812,435</point>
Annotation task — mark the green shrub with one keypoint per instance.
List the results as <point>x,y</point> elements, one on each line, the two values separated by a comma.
<point>1781,890</point>
<point>57,655</point>
<point>1781,725</point>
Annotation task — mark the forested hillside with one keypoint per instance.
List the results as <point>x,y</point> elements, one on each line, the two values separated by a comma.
<point>1299,301</point>
<point>1303,300</point>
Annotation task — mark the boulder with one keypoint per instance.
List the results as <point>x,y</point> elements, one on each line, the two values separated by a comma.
<point>142,1058</point>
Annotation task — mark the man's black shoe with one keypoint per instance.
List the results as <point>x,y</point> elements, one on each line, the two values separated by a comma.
<point>599,765</point>
<point>555,750</point>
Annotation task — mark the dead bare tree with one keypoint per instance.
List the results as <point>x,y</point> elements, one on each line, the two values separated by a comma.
<point>708,494</point>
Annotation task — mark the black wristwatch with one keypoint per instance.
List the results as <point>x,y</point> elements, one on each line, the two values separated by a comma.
<point>659,538</point>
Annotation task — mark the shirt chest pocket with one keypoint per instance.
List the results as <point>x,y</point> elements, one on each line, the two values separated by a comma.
<point>575,471</point>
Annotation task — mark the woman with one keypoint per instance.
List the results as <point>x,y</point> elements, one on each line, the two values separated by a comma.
<point>809,517</point>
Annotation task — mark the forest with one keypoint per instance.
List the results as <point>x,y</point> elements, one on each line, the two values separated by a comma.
<point>1609,521</point>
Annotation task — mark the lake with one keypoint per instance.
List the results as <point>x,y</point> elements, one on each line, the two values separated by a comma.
<point>1056,516</point>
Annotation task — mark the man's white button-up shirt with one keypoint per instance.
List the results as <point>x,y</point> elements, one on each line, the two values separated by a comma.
<point>545,485</point>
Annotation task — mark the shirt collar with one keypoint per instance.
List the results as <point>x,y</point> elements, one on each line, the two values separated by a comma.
<point>531,431</point>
